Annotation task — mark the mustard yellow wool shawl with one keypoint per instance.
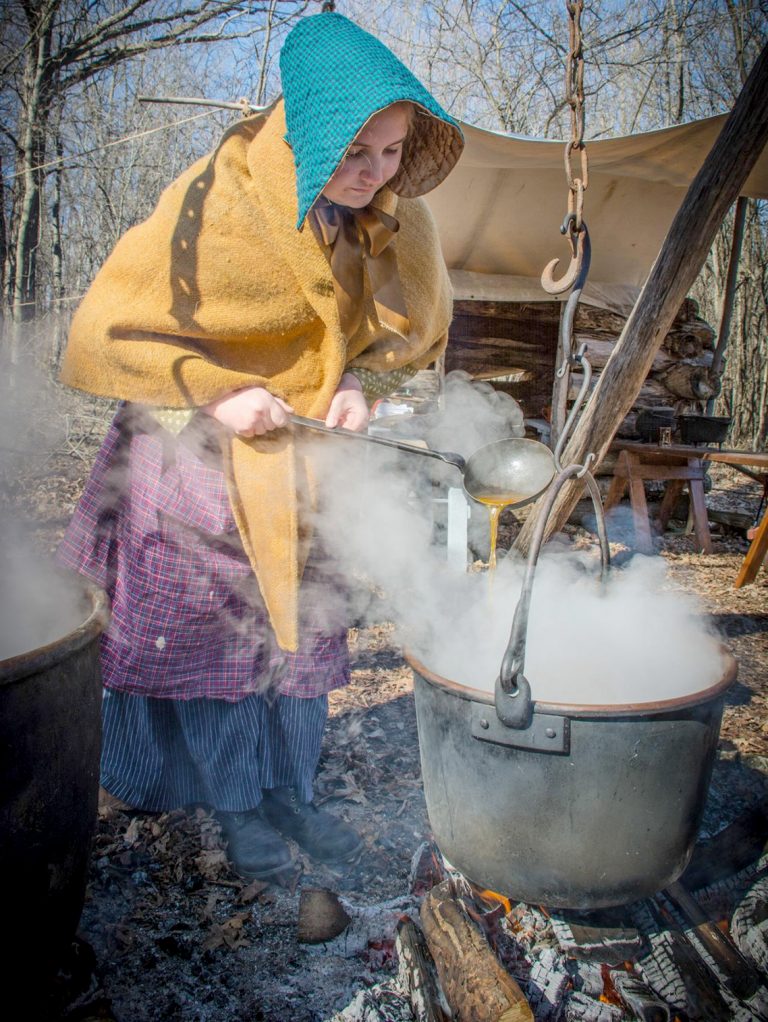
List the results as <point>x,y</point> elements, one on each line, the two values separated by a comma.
<point>218,290</point>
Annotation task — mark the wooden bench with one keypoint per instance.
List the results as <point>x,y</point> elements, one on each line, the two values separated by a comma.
<point>679,465</point>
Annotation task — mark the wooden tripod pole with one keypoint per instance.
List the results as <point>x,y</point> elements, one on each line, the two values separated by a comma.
<point>691,235</point>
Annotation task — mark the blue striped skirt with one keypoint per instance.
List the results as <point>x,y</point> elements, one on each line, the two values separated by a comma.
<point>161,754</point>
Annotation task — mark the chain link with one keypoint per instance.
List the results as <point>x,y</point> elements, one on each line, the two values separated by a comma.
<point>573,226</point>
<point>574,96</point>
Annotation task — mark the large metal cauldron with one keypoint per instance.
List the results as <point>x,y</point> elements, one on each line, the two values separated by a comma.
<point>50,736</point>
<point>587,807</point>
<point>568,806</point>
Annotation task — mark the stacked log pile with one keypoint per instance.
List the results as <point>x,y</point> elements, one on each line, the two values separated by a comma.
<point>514,346</point>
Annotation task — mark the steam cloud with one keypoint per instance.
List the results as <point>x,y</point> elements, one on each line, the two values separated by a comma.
<point>634,640</point>
<point>38,604</point>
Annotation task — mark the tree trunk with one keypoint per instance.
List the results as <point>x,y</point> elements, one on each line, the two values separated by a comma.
<point>3,244</point>
<point>36,104</point>
<point>685,248</point>
<point>745,380</point>
<point>57,268</point>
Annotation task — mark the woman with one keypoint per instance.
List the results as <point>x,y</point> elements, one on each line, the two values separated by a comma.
<point>289,270</point>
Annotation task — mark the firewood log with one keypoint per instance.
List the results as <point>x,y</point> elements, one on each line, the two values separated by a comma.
<point>693,382</point>
<point>679,383</point>
<point>490,356</point>
<point>427,869</point>
<point>739,845</point>
<point>639,998</point>
<point>749,925</point>
<point>689,340</point>
<point>515,346</point>
<point>675,971</point>
<point>476,986</point>
<point>741,976</point>
<point>417,973</point>
<point>599,350</point>
<point>595,320</point>
<point>580,1008</point>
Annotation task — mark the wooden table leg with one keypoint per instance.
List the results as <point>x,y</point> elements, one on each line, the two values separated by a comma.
<point>672,491</point>
<point>639,505</point>
<point>699,505</point>
<point>755,555</point>
<point>618,483</point>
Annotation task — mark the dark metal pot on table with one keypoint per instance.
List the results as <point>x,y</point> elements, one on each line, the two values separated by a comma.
<point>703,429</point>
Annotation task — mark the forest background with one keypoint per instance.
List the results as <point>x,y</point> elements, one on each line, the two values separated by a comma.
<point>82,159</point>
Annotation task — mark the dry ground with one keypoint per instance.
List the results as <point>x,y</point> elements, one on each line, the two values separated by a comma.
<point>178,937</point>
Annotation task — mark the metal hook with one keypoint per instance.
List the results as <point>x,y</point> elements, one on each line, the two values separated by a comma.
<point>577,241</point>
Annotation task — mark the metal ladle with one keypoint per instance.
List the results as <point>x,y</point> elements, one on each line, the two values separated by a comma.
<point>514,468</point>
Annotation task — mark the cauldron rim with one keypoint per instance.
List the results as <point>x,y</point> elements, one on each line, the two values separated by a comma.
<point>40,658</point>
<point>585,710</point>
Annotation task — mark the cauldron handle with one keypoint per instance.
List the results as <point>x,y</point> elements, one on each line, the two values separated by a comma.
<point>512,691</point>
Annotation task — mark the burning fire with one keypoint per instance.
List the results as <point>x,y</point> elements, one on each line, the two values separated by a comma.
<point>610,994</point>
<point>494,899</point>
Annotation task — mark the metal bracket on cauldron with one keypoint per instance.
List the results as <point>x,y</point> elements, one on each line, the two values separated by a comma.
<point>546,732</point>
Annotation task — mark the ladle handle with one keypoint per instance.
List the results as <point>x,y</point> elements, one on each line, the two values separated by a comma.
<point>447,456</point>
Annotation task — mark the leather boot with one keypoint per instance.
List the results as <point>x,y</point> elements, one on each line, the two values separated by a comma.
<point>255,850</point>
<point>321,835</point>
<point>109,801</point>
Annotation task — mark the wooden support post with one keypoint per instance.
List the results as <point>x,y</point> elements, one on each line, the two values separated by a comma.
<point>710,196</point>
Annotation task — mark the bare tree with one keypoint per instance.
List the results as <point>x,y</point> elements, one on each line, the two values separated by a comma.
<point>50,48</point>
<point>71,70</point>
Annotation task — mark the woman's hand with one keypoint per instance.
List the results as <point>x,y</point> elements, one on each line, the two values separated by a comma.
<point>252,411</point>
<point>349,408</point>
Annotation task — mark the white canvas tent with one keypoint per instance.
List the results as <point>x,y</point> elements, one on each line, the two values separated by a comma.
<point>500,210</point>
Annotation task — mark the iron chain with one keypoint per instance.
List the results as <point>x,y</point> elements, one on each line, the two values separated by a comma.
<point>574,95</point>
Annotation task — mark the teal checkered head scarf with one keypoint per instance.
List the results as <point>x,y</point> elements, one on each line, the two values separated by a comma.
<point>335,76</point>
